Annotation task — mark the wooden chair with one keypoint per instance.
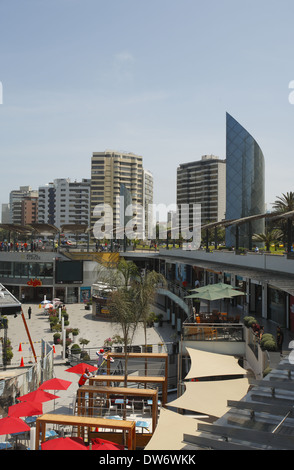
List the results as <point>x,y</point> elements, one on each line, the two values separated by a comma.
<point>146,408</point>
<point>210,332</point>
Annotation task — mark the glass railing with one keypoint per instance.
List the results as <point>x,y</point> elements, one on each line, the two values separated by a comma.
<point>213,332</point>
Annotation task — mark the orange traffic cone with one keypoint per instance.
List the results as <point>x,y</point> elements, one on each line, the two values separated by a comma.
<point>19,349</point>
<point>21,362</point>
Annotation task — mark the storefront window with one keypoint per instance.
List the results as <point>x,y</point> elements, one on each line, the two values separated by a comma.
<point>45,270</point>
<point>26,270</point>
<point>21,270</point>
<point>6,269</point>
<point>277,306</point>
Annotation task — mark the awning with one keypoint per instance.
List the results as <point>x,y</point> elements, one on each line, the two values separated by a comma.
<point>7,300</point>
<point>74,228</point>
<point>170,430</point>
<point>207,364</point>
<point>211,397</point>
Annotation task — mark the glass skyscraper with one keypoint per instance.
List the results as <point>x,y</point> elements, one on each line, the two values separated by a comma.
<point>245,186</point>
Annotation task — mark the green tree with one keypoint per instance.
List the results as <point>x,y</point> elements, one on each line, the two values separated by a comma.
<point>282,205</point>
<point>145,288</point>
<point>269,237</point>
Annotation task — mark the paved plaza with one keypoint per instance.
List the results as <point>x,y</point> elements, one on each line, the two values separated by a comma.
<point>96,331</point>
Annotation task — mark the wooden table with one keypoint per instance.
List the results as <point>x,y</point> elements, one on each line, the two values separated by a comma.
<point>88,422</point>
<point>133,379</point>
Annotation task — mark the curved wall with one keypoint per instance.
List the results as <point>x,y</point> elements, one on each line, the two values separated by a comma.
<point>245,186</point>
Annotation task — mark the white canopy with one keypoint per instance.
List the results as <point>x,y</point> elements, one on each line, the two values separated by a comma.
<point>210,397</point>
<point>170,430</point>
<point>207,364</point>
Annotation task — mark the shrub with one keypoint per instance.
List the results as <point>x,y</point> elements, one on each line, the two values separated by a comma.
<point>56,338</point>
<point>85,356</point>
<point>64,315</point>
<point>268,342</point>
<point>55,327</point>
<point>248,321</point>
<point>75,349</point>
<point>9,354</point>
<point>84,341</point>
<point>269,345</point>
<point>53,319</point>
<point>266,337</point>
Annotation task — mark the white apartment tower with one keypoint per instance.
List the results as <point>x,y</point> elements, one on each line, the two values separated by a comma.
<point>65,202</point>
<point>203,182</point>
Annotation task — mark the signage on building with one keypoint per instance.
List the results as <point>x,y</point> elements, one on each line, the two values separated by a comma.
<point>34,283</point>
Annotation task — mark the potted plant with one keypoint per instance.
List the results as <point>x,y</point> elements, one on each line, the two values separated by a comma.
<point>84,342</point>
<point>248,321</point>
<point>268,342</point>
<point>158,320</point>
<point>75,331</point>
<point>68,331</point>
<point>9,355</point>
<point>75,349</point>
<point>151,319</point>
<point>56,338</point>
<point>85,356</point>
<point>56,327</point>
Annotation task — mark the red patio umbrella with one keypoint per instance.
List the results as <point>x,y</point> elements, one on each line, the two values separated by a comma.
<point>103,444</point>
<point>64,443</point>
<point>80,368</point>
<point>38,395</point>
<point>25,408</point>
<point>12,425</point>
<point>55,384</point>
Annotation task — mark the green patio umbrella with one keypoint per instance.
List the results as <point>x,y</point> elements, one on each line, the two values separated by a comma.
<point>215,292</point>
<point>218,286</point>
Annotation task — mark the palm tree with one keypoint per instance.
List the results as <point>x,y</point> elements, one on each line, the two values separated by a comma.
<point>282,205</point>
<point>269,237</point>
<point>145,289</point>
<point>129,302</point>
<point>122,303</point>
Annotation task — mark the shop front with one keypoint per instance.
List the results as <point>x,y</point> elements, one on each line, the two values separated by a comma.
<point>277,305</point>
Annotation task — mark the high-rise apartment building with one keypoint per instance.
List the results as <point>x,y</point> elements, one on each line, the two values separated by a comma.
<point>203,182</point>
<point>29,209</point>
<point>22,205</point>
<point>148,187</point>
<point>109,171</point>
<point>5,214</point>
<point>245,182</point>
<point>65,202</point>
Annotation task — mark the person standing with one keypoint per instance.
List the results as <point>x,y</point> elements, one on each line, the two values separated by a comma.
<point>29,312</point>
<point>280,338</point>
<point>86,375</point>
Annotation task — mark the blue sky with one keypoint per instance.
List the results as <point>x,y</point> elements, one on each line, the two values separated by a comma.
<point>151,77</point>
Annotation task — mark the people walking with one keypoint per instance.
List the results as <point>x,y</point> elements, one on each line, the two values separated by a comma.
<point>29,312</point>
